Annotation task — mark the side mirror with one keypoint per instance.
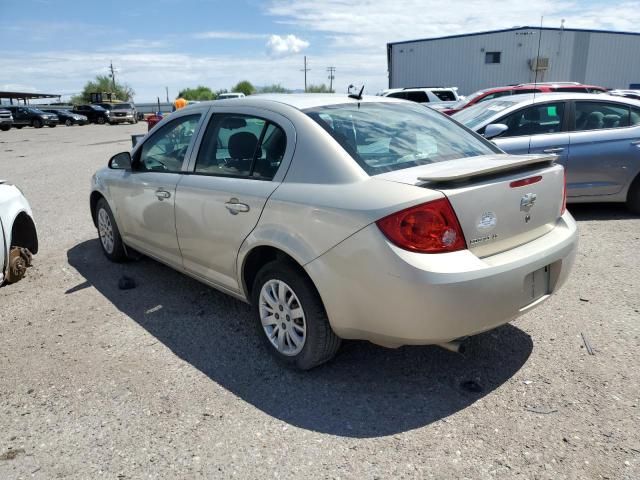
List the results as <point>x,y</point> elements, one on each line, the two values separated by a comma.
<point>494,129</point>
<point>120,161</point>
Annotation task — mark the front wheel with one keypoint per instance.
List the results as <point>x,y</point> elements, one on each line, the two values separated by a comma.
<point>291,318</point>
<point>53,125</point>
<point>633,198</point>
<point>108,232</point>
<point>37,123</point>
<point>100,120</point>
<point>68,122</point>
<point>5,128</point>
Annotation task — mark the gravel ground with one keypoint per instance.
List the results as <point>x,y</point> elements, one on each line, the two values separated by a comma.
<point>169,380</point>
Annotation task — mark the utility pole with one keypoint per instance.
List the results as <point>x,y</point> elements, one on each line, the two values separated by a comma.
<point>331,71</point>
<point>113,76</point>
<point>167,89</point>
<point>305,70</point>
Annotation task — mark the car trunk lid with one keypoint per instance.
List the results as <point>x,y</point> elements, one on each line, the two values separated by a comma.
<point>501,201</point>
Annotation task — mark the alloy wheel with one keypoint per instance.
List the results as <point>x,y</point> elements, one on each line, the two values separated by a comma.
<point>282,317</point>
<point>105,231</point>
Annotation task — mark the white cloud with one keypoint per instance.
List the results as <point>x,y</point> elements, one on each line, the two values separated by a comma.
<point>229,35</point>
<point>282,46</point>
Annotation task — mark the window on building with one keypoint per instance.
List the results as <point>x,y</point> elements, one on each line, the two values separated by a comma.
<point>492,57</point>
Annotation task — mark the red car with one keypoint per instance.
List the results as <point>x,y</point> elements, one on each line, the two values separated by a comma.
<point>491,93</point>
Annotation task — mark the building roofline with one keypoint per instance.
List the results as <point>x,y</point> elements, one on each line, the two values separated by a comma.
<point>513,29</point>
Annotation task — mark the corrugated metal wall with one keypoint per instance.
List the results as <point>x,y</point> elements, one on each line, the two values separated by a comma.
<point>606,59</point>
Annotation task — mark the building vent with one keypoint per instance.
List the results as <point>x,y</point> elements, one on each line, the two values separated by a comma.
<point>539,63</point>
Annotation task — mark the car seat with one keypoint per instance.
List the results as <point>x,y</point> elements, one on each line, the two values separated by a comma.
<point>594,121</point>
<point>242,148</point>
<point>611,121</point>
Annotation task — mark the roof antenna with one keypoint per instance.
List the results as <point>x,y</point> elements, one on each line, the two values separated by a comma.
<point>357,96</point>
<point>535,78</point>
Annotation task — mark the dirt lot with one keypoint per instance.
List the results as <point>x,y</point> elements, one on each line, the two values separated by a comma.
<point>169,380</point>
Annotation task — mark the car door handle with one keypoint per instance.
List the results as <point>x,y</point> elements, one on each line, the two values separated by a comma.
<point>162,194</point>
<point>553,150</point>
<point>234,206</point>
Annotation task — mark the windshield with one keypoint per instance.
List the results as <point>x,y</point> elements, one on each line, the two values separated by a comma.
<point>463,101</point>
<point>476,115</point>
<point>122,106</point>
<point>98,108</point>
<point>383,137</point>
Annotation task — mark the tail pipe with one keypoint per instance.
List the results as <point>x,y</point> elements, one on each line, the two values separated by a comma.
<point>456,346</point>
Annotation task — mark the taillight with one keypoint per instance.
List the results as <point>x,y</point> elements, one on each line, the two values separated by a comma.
<point>428,228</point>
<point>564,194</point>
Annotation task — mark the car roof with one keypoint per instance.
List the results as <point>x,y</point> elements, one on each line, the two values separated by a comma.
<point>546,96</point>
<point>299,101</point>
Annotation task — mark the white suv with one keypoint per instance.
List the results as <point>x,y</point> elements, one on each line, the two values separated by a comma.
<point>424,94</point>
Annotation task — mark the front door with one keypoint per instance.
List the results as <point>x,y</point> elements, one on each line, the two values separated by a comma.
<point>219,203</point>
<point>145,196</point>
<point>605,148</point>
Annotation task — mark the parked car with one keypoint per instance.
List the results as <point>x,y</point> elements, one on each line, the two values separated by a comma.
<point>18,237</point>
<point>444,97</point>
<point>521,89</point>
<point>24,116</point>
<point>227,96</point>
<point>94,113</point>
<point>596,138</point>
<point>6,120</point>
<point>67,117</point>
<point>337,217</point>
<point>120,112</point>
<point>634,94</point>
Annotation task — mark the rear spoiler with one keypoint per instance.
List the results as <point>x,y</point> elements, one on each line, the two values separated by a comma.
<point>462,169</point>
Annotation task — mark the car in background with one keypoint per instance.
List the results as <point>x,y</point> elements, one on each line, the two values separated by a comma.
<point>120,112</point>
<point>18,237</point>
<point>25,116</point>
<point>443,97</point>
<point>226,96</point>
<point>596,138</point>
<point>521,89</point>
<point>67,117</point>
<point>6,120</point>
<point>341,216</point>
<point>94,113</point>
<point>634,94</point>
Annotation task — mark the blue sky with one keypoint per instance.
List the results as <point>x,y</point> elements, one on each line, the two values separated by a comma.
<point>56,46</point>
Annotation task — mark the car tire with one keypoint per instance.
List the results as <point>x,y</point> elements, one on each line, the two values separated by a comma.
<point>5,128</point>
<point>18,126</point>
<point>303,316</point>
<point>68,122</point>
<point>37,123</point>
<point>108,233</point>
<point>100,121</point>
<point>53,125</point>
<point>633,197</point>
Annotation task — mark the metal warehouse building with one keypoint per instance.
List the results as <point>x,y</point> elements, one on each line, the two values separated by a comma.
<point>503,57</point>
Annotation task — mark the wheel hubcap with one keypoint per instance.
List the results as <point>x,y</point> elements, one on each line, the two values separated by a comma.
<point>105,230</point>
<point>282,317</point>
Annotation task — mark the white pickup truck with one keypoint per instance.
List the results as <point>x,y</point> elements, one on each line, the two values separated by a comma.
<point>18,237</point>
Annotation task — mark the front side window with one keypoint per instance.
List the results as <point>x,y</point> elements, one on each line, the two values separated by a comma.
<point>492,57</point>
<point>534,120</point>
<point>241,146</point>
<point>166,149</point>
<point>382,137</point>
<point>601,115</point>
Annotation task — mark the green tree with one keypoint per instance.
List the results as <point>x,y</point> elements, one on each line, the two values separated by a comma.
<point>103,83</point>
<point>322,88</point>
<point>275,88</point>
<point>245,87</point>
<point>200,93</point>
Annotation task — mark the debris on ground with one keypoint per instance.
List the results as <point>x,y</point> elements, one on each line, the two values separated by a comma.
<point>540,410</point>
<point>587,345</point>
<point>126,283</point>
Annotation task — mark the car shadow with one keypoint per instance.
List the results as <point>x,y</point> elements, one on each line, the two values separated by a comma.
<point>366,391</point>
<point>600,211</point>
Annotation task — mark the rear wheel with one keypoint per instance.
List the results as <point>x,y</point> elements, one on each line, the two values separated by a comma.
<point>68,122</point>
<point>18,126</point>
<point>291,318</point>
<point>633,197</point>
<point>100,120</point>
<point>53,125</point>
<point>37,123</point>
<point>110,239</point>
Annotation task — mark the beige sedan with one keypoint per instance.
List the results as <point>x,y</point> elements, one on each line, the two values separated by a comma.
<point>342,218</point>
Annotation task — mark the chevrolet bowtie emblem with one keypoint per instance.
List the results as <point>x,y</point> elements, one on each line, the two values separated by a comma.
<point>528,201</point>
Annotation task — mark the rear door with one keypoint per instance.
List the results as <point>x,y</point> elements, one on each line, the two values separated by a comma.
<point>241,160</point>
<point>604,151</point>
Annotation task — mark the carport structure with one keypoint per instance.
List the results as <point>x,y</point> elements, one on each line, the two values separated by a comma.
<point>26,96</point>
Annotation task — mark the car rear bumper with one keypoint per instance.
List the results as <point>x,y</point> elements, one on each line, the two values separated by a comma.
<point>376,291</point>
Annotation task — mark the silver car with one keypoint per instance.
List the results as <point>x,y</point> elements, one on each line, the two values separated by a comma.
<point>341,218</point>
<point>596,138</point>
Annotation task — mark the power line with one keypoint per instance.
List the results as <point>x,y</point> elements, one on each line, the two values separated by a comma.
<point>305,70</point>
<point>332,77</point>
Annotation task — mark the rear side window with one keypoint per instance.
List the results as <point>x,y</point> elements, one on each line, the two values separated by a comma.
<point>382,137</point>
<point>398,95</point>
<point>571,89</point>
<point>601,115</point>
<point>418,96</point>
<point>534,120</point>
<point>444,95</point>
<point>241,146</point>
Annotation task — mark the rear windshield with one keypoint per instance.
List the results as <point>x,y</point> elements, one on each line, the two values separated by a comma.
<point>383,137</point>
<point>475,115</point>
<point>445,95</point>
